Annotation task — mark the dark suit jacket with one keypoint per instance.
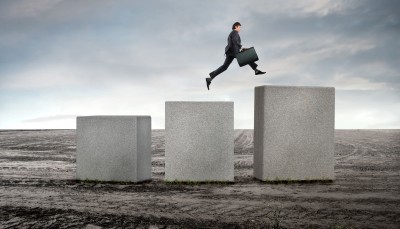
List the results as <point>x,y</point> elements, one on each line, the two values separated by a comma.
<point>234,45</point>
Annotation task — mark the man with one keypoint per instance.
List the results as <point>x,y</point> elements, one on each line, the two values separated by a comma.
<point>233,48</point>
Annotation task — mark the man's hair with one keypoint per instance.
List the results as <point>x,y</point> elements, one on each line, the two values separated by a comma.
<point>235,24</point>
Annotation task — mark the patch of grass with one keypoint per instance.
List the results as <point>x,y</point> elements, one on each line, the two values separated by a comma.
<point>88,181</point>
<point>290,181</point>
<point>274,218</point>
<point>188,182</point>
<point>339,226</point>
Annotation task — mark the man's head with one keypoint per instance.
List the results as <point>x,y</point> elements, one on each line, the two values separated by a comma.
<point>236,26</point>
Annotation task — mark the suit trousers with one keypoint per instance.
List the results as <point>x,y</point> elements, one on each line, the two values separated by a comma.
<point>227,62</point>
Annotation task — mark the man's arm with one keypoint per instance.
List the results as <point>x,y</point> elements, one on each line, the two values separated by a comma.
<point>236,42</point>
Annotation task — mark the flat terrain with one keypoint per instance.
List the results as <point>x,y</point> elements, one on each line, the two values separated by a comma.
<point>38,189</point>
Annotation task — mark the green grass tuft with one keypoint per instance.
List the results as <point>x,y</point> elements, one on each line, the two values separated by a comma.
<point>290,181</point>
<point>88,181</point>
<point>338,226</point>
<point>189,182</point>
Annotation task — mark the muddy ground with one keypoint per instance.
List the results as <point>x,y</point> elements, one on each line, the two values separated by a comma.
<point>38,189</point>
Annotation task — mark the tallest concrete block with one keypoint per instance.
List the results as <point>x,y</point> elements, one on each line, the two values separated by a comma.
<point>294,133</point>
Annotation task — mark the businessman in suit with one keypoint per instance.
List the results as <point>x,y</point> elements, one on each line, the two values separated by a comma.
<point>231,50</point>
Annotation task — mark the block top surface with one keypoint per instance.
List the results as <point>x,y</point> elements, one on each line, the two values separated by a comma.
<point>198,102</point>
<point>288,87</point>
<point>115,116</point>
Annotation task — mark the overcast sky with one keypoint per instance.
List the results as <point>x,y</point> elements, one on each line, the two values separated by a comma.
<point>60,59</point>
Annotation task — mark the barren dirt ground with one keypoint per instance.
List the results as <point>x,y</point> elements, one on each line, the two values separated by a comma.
<point>38,189</point>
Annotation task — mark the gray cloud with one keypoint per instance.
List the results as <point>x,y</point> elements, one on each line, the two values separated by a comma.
<point>161,50</point>
<point>51,118</point>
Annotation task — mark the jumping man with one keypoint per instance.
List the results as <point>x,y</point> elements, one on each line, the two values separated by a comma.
<point>233,48</point>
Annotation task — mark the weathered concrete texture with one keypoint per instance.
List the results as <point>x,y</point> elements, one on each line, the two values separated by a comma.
<point>114,148</point>
<point>294,133</point>
<point>199,141</point>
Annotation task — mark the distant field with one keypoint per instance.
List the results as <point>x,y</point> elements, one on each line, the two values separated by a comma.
<point>38,188</point>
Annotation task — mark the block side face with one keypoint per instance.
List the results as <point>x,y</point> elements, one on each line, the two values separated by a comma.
<point>331,145</point>
<point>298,133</point>
<point>199,141</point>
<point>106,148</point>
<point>144,149</point>
<point>258,132</point>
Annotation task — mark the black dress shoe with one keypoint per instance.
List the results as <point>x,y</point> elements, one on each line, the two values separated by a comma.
<point>208,81</point>
<point>258,72</point>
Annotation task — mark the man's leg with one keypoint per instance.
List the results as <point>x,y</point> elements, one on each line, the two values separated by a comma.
<point>253,66</point>
<point>227,62</point>
<point>256,71</point>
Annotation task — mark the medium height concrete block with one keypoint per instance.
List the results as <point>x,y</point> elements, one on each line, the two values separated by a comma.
<point>114,148</point>
<point>294,133</point>
<point>199,141</point>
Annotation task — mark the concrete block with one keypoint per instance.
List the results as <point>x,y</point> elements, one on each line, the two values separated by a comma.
<point>294,133</point>
<point>114,148</point>
<point>199,141</point>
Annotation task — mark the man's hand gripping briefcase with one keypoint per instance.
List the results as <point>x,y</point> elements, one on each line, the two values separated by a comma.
<point>247,56</point>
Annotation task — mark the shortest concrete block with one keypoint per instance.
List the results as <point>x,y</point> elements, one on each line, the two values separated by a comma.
<point>113,148</point>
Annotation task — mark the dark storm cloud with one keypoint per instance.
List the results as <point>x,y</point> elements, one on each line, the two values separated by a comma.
<point>371,23</point>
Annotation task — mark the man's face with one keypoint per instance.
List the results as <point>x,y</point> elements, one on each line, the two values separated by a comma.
<point>237,28</point>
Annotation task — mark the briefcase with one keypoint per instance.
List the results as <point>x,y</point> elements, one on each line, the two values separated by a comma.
<point>246,57</point>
